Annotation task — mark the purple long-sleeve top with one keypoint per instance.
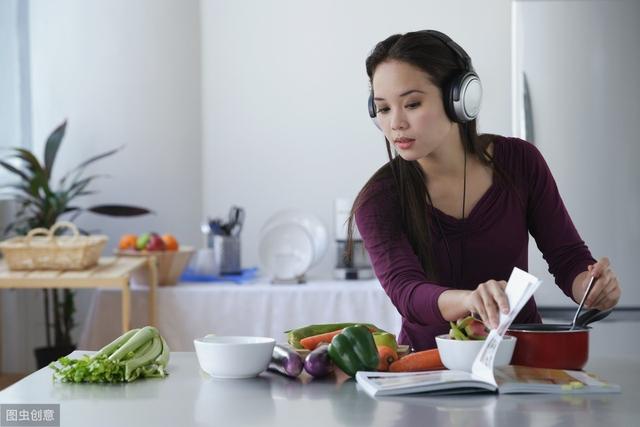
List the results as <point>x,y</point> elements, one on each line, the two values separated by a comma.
<point>487,244</point>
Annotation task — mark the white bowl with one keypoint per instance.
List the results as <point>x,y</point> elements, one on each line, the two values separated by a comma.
<point>459,355</point>
<point>312,225</point>
<point>233,357</point>
<point>285,251</point>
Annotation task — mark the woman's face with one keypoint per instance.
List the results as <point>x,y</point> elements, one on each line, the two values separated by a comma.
<point>410,109</point>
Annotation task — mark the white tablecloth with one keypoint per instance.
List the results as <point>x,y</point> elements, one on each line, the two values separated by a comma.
<point>187,311</point>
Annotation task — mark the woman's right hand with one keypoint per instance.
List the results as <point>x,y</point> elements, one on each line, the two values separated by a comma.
<point>488,300</point>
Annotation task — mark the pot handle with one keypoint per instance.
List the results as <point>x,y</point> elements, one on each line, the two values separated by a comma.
<point>591,316</point>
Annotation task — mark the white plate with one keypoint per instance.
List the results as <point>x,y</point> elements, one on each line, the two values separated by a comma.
<point>312,225</point>
<point>285,251</point>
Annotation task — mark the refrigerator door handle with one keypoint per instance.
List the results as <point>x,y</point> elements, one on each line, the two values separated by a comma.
<point>527,114</point>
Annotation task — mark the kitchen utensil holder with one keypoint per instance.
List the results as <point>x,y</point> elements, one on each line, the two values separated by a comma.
<point>227,250</point>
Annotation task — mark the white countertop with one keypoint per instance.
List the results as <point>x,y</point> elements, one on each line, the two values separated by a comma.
<point>188,397</point>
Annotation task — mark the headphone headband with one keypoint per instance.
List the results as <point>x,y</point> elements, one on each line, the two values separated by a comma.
<point>455,47</point>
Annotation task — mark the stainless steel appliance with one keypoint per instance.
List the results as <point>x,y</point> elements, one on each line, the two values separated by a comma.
<point>359,266</point>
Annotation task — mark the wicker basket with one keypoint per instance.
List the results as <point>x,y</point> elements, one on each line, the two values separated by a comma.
<point>41,249</point>
<point>170,265</point>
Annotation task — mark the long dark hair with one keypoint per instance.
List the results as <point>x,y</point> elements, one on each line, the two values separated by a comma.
<point>431,55</point>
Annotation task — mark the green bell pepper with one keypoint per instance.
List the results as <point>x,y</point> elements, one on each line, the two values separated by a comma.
<point>387,339</point>
<point>354,349</point>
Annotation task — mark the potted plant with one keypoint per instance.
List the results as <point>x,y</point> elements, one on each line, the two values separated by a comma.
<point>42,205</point>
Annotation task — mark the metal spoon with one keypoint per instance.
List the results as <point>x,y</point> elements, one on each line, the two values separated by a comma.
<point>584,298</point>
<point>591,316</point>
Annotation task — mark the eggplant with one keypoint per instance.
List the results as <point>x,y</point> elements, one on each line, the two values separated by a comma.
<point>285,361</point>
<point>317,363</point>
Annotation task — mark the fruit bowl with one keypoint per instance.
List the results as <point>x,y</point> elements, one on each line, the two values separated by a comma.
<point>170,264</point>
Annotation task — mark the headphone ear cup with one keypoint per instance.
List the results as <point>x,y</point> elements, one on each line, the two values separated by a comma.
<point>372,111</point>
<point>372,106</point>
<point>465,97</point>
<point>471,97</point>
<point>448,95</point>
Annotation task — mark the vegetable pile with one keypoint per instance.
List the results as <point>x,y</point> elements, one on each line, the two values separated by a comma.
<point>468,328</point>
<point>350,346</point>
<point>139,353</point>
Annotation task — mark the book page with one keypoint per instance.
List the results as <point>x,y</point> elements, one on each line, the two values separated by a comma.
<point>438,382</point>
<point>520,288</point>
<point>525,379</point>
<point>417,378</point>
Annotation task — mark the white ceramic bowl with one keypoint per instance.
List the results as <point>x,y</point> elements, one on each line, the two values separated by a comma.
<point>459,355</point>
<point>233,357</point>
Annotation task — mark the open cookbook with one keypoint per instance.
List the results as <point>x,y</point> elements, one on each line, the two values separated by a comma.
<point>483,376</point>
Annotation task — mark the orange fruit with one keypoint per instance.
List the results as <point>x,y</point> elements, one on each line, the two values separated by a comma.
<point>170,242</point>
<point>127,241</point>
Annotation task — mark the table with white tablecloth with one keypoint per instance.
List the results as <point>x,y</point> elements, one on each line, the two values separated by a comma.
<point>190,310</point>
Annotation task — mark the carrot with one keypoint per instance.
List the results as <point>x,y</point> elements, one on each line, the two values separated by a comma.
<point>387,356</point>
<point>426,360</point>
<point>313,341</point>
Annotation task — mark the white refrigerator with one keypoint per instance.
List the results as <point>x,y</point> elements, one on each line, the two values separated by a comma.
<point>576,96</point>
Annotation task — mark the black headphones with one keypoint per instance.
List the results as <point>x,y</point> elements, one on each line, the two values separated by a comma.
<point>462,94</point>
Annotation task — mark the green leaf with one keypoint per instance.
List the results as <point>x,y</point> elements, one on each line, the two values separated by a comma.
<point>52,146</point>
<point>19,191</point>
<point>14,170</point>
<point>86,369</point>
<point>30,159</point>
<point>87,162</point>
<point>77,187</point>
<point>72,209</point>
<point>119,210</point>
<point>86,193</point>
<point>40,185</point>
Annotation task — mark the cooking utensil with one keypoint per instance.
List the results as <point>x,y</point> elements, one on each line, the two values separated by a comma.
<point>584,298</point>
<point>216,227</point>
<point>556,346</point>
<point>238,219</point>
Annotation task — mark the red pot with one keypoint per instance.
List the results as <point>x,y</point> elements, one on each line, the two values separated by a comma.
<point>545,348</point>
<point>554,346</point>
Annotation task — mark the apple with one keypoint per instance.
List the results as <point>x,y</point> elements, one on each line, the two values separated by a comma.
<point>476,330</point>
<point>143,241</point>
<point>156,243</point>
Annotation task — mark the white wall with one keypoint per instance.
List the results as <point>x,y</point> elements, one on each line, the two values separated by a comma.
<point>285,122</point>
<point>122,72</point>
<point>9,77</point>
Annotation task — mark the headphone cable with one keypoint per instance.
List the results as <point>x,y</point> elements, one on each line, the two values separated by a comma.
<point>435,215</point>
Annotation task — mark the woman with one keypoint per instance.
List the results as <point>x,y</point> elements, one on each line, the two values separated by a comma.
<point>447,219</point>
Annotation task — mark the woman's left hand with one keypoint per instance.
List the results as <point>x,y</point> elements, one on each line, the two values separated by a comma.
<point>605,290</point>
